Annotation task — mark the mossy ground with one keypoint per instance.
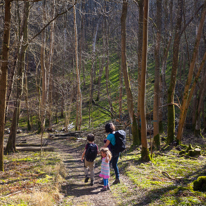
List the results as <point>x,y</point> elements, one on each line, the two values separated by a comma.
<point>31,179</point>
<point>141,183</point>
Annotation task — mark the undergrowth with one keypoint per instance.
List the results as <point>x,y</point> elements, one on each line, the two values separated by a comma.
<point>31,179</point>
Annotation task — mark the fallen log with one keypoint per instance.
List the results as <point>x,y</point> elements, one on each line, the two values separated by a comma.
<point>33,149</point>
<point>30,145</point>
<point>68,134</point>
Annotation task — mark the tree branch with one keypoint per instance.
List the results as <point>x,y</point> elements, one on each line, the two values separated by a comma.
<point>175,104</point>
<point>191,20</point>
<point>94,103</point>
<point>49,22</point>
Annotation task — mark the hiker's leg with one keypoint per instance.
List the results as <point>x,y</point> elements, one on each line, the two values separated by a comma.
<point>105,182</point>
<point>114,165</point>
<point>85,171</point>
<point>86,168</point>
<point>105,185</point>
<point>91,168</point>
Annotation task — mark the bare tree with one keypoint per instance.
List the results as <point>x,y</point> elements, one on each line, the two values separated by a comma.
<point>50,67</point>
<point>11,144</point>
<point>79,94</point>
<point>157,76</point>
<point>145,151</point>
<point>130,105</point>
<point>185,101</point>
<point>4,76</point>
<point>139,55</point>
<point>171,90</point>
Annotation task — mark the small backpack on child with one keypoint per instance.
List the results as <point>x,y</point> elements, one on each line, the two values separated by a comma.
<point>91,152</point>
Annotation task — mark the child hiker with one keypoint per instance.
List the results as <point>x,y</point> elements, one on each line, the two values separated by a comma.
<point>105,170</point>
<point>89,155</point>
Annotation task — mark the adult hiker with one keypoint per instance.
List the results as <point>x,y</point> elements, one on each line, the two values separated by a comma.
<point>110,128</point>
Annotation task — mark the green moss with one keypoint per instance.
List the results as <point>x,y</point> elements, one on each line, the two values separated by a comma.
<point>200,184</point>
<point>166,148</point>
<point>183,146</point>
<point>178,142</point>
<point>189,148</point>
<point>39,127</point>
<point>157,141</point>
<point>171,123</point>
<point>195,152</point>
<point>145,155</point>
<point>182,152</point>
<point>135,133</point>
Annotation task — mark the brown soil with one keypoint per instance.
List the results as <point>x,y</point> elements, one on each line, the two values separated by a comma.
<point>75,191</point>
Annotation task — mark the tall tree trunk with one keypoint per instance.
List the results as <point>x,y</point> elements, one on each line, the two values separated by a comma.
<point>120,90</point>
<point>4,76</point>
<point>200,106</point>
<point>103,56</point>
<point>130,105</point>
<point>139,55</point>
<point>163,87</point>
<point>79,94</point>
<point>107,69</point>
<point>81,47</point>
<point>185,101</point>
<point>44,78</point>
<point>145,152</point>
<point>171,90</point>
<point>11,144</point>
<point>50,66</point>
<point>157,76</point>
<point>11,78</point>
<point>204,117</point>
<point>92,73</point>
<point>29,128</point>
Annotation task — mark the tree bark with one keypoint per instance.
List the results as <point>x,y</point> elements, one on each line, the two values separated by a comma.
<point>120,90</point>
<point>163,85</point>
<point>139,56</point>
<point>130,105</point>
<point>11,144</point>
<point>4,77</point>
<point>79,94</point>
<point>50,66</point>
<point>107,69</point>
<point>171,90</point>
<point>145,152</point>
<point>29,127</point>
<point>103,56</point>
<point>157,76</point>
<point>200,106</point>
<point>185,100</point>
<point>44,78</point>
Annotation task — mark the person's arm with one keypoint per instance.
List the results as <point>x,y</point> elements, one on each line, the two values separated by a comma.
<point>98,152</point>
<point>83,155</point>
<point>107,159</point>
<point>107,143</point>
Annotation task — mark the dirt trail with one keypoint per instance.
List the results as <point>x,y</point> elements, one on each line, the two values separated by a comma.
<point>76,191</point>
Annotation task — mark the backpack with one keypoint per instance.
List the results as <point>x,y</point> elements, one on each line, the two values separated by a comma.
<point>120,137</point>
<point>91,152</point>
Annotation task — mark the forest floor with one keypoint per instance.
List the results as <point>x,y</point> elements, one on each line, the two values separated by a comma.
<point>57,177</point>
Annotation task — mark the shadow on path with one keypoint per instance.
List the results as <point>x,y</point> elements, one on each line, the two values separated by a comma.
<point>78,190</point>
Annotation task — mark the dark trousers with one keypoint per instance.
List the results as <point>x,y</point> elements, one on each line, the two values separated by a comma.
<point>114,161</point>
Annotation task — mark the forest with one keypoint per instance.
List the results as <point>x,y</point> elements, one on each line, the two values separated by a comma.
<point>69,67</point>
